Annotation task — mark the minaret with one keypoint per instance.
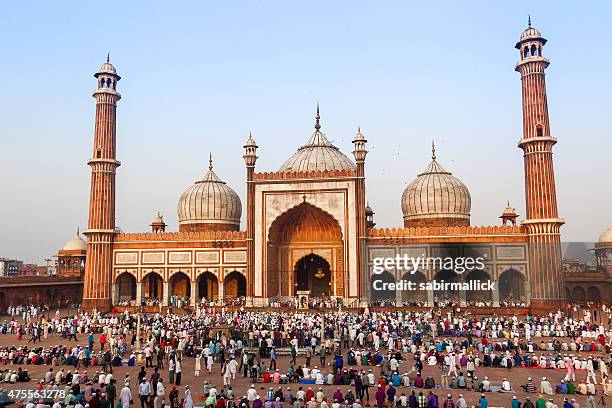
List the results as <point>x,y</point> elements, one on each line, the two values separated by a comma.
<point>101,226</point>
<point>360,153</point>
<point>542,222</point>
<point>250,158</point>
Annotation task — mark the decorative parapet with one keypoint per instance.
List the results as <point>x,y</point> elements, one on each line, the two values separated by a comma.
<point>310,174</point>
<point>446,232</point>
<point>181,236</point>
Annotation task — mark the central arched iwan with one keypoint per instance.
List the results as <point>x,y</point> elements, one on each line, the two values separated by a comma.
<point>302,230</point>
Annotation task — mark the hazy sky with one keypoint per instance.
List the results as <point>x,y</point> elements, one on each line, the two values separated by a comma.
<point>198,77</point>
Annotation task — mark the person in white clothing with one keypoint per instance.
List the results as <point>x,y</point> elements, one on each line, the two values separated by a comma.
<point>198,365</point>
<point>125,397</point>
<point>159,395</point>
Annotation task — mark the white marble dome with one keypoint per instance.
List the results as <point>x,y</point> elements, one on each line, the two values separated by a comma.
<point>107,68</point>
<point>76,243</point>
<point>606,236</point>
<point>529,33</point>
<point>209,201</point>
<point>436,194</point>
<point>318,154</point>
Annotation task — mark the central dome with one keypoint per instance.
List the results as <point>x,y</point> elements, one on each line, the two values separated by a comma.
<point>436,199</point>
<point>209,205</point>
<point>318,154</point>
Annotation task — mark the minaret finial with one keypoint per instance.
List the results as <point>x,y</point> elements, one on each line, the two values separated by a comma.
<point>317,118</point>
<point>433,150</point>
<point>210,166</point>
<point>78,231</point>
<point>529,20</point>
<point>108,57</point>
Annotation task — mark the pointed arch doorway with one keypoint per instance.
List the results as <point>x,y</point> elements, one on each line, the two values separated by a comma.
<point>298,234</point>
<point>312,273</point>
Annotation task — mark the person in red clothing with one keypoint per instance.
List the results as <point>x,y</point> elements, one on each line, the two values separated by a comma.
<point>380,397</point>
<point>309,394</point>
<point>102,341</point>
<point>448,403</point>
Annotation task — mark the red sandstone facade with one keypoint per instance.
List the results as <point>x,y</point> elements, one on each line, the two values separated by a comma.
<point>101,226</point>
<point>542,224</point>
<point>318,209</point>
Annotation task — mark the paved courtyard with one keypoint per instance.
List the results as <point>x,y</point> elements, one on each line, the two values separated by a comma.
<point>516,376</point>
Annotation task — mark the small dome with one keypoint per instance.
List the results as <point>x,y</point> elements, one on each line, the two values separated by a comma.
<point>159,219</point>
<point>209,203</point>
<point>436,198</point>
<point>606,236</point>
<point>76,243</point>
<point>509,210</point>
<point>318,154</point>
<point>107,68</point>
<point>530,33</point>
<point>250,142</point>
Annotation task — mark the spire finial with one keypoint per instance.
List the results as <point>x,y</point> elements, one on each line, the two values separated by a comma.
<point>108,57</point>
<point>210,166</point>
<point>433,150</point>
<point>78,231</point>
<point>317,118</point>
<point>529,20</point>
<point>358,129</point>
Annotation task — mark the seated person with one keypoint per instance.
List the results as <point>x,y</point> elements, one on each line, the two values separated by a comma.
<point>571,389</point>
<point>505,386</point>
<point>485,385</point>
<point>418,381</point>
<point>562,388</point>
<point>529,387</point>
<point>545,386</point>
<point>582,388</point>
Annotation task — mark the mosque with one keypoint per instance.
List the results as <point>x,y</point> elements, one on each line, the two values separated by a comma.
<point>309,231</point>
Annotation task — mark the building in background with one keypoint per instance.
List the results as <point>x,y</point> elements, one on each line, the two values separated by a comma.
<point>310,231</point>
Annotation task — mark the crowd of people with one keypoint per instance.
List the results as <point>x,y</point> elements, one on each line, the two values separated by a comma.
<point>368,357</point>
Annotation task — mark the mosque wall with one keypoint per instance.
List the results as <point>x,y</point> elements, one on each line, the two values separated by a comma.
<point>166,255</point>
<point>333,195</point>
<point>504,258</point>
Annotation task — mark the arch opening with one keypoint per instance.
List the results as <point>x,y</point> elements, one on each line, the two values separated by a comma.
<point>416,295</point>
<point>126,287</point>
<point>180,286</point>
<point>447,295</point>
<point>379,287</point>
<point>312,273</point>
<point>302,230</point>
<point>234,285</point>
<point>593,293</point>
<point>153,286</point>
<point>208,286</point>
<point>511,285</point>
<point>478,295</point>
